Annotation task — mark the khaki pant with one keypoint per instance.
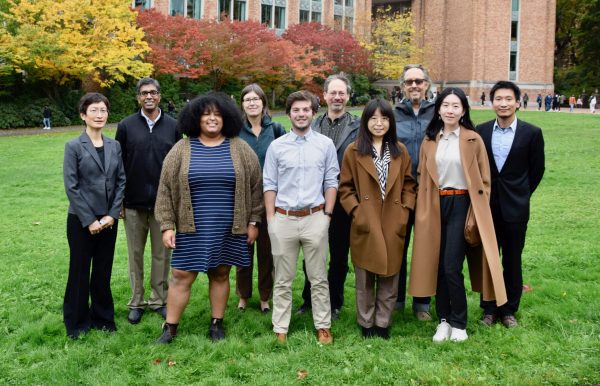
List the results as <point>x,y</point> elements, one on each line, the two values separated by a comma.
<point>375,298</point>
<point>137,225</point>
<point>288,234</point>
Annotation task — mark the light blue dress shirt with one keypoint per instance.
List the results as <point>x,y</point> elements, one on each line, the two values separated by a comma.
<point>502,139</point>
<point>300,169</point>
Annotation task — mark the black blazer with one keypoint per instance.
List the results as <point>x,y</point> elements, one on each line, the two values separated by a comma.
<point>93,189</point>
<point>521,174</point>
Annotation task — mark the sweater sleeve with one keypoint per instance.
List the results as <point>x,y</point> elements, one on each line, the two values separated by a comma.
<point>164,209</point>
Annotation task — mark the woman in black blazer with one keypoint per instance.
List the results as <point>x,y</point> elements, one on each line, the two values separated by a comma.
<point>95,184</point>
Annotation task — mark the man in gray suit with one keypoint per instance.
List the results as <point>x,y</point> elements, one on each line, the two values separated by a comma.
<point>342,127</point>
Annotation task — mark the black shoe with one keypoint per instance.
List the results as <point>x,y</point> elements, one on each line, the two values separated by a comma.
<point>382,332</point>
<point>304,308</point>
<point>166,336</point>
<point>335,314</point>
<point>135,315</point>
<point>107,327</point>
<point>162,311</point>
<point>216,330</point>
<point>367,332</point>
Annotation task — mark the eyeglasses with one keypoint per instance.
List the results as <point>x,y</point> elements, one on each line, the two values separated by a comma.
<point>97,111</point>
<point>251,100</point>
<point>409,82</point>
<point>341,94</point>
<point>151,92</point>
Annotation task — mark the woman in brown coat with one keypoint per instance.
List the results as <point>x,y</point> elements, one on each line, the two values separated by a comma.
<point>454,176</point>
<point>377,190</point>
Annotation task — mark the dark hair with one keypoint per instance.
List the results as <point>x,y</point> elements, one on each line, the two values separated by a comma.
<point>144,81</point>
<point>261,94</point>
<point>364,141</point>
<point>189,118</point>
<point>508,85</point>
<point>437,124</point>
<point>301,96</point>
<point>90,98</point>
<point>341,76</point>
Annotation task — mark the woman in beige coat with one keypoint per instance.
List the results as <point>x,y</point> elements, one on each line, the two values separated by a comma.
<point>377,190</point>
<point>454,176</point>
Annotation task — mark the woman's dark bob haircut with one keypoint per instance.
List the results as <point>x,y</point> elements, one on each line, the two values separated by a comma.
<point>91,98</point>
<point>437,124</point>
<point>189,119</point>
<point>364,142</point>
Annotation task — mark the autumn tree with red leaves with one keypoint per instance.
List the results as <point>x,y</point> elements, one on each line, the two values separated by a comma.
<point>340,48</point>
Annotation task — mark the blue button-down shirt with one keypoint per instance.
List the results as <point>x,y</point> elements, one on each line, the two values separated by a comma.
<point>502,139</point>
<point>300,169</point>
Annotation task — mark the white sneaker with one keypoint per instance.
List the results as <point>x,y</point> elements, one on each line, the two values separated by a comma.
<point>442,332</point>
<point>458,335</point>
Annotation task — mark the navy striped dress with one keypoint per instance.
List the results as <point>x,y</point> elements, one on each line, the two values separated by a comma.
<point>212,187</point>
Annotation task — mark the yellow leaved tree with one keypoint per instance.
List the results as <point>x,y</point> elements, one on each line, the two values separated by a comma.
<point>97,42</point>
<point>393,43</point>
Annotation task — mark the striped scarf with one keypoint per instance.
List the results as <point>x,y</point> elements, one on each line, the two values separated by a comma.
<point>382,164</point>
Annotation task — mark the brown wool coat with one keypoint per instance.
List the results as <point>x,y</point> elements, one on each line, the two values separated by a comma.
<point>173,209</point>
<point>378,226</point>
<point>484,261</point>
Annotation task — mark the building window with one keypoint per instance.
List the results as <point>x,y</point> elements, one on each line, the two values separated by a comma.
<point>337,22</point>
<point>514,29</point>
<point>338,2</point>
<point>226,7</point>
<point>272,13</point>
<point>349,3</point>
<point>187,8</point>
<point>515,5</point>
<point>143,4</point>
<point>310,10</point>
<point>348,23</point>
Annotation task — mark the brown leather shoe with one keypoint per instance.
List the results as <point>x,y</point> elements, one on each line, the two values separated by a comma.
<point>509,321</point>
<point>281,337</point>
<point>423,316</point>
<point>324,336</point>
<point>488,320</point>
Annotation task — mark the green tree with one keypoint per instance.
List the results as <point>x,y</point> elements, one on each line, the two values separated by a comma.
<point>96,42</point>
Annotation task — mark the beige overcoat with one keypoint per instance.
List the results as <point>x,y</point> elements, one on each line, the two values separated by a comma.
<point>484,261</point>
<point>378,226</point>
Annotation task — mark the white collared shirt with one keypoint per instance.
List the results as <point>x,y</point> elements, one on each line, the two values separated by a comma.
<point>149,121</point>
<point>502,139</point>
<point>448,162</point>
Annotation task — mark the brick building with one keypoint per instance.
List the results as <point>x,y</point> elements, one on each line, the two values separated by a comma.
<point>472,44</point>
<point>351,15</point>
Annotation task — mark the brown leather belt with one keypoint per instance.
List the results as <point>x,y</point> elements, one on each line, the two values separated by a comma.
<point>300,212</point>
<point>453,192</point>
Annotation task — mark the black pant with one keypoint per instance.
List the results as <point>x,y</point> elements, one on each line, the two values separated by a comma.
<point>511,241</point>
<point>339,246</point>
<point>419,304</point>
<point>96,251</point>
<point>451,297</point>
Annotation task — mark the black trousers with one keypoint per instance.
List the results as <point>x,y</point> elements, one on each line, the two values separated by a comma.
<point>339,247</point>
<point>97,252</point>
<point>451,297</point>
<point>419,304</point>
<point>511,241</point>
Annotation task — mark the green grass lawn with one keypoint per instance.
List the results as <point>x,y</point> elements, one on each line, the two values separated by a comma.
<point>557,342</point>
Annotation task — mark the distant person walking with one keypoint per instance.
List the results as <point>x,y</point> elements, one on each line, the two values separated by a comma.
<point>47,113</point>
<point>548,102</point>
<point>593,104</point>
<point>525,101</point>
<point>482,99</point>
<point>539,101</point>
<point>572,103</point>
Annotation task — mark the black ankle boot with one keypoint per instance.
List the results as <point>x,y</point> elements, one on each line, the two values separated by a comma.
<point>367,332</point>
<point>382,332</point>
<point>168,334</point>
<point>216,330</point>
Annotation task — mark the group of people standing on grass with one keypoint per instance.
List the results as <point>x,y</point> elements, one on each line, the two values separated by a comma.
<point>335,185</point>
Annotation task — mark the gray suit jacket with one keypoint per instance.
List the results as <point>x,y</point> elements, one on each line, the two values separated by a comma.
<point>93,189</point>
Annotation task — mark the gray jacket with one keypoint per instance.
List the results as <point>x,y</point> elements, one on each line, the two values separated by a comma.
<point>94,189</point>
<point>410,128</point>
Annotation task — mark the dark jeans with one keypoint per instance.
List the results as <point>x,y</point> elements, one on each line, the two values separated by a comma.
<point>419,304</point>
<point>339,246</point>
<point>511,241</point>
<point>95,251</point>
<point>264,258</point>
<point>451,297</point>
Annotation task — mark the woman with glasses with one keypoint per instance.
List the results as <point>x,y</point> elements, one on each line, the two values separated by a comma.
<point>208,206</point>
<point>377,190</point>
<point>258,131</point>
<point>94,179</point>
<point>454,180</point>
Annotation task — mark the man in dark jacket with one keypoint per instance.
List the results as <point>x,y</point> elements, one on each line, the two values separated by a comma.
<point>413,115</point>
<point>145,137</point>
<point>516,153</point>
<point>342,127</point>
